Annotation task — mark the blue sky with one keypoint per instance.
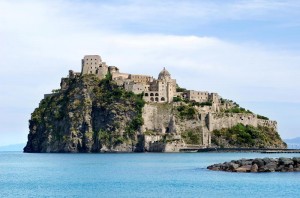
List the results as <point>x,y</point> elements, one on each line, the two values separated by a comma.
<point>247,51</point>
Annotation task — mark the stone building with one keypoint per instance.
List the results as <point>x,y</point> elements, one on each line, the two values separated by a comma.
<point>160,90</point>
<point>201,96</point>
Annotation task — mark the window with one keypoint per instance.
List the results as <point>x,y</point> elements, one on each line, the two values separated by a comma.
<point>151,94</point>
<point>156,99</point>
<point>146,94</point>
<point>156,94</point>
<point>152,99</point>
<point>162,99</point>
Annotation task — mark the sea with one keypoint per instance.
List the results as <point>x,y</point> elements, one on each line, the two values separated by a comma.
<point>138,175</point>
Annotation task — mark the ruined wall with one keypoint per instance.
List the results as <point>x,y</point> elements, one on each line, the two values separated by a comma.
<point>267,123</point>
<point>228,120</point>
<point>117,75</point>
<point>160,119</point>
<point>157,117</point>
<point>136,88</point>
<point>163,143</point>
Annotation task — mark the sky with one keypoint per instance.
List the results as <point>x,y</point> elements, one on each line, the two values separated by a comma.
<point>246,51</point>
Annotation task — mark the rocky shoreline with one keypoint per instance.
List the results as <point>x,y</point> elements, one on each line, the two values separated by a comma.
<point>259,165</point>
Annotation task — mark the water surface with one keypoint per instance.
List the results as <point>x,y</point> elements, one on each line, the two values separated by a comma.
<point>137,175</point>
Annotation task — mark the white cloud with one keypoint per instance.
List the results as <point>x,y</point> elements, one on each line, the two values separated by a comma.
<point>41,41</point>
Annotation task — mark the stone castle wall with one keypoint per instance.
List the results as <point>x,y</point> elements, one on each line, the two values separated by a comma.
<point>228,120</point>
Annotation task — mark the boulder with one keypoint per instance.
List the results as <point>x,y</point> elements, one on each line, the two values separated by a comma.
<point>233,166</point>
<point>258,162</point>
<point>296,160</point>
<point>254,168</point>
<point>270,167</point>
<point>285,161</point>
<point>244,169</point>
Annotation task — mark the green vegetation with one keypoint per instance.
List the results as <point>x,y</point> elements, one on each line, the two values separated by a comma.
<point>192,103</point>
<point>246,136</point>
<point>202,104</point>
<point>179,89</point>
<point>56,90</point>
<point>108,94</point>
<point>192,137</point>
<point>177,99</point>
<point>262,117</point>
<point>237,109</point>
<point>150,133</point>
<point>186,112</point>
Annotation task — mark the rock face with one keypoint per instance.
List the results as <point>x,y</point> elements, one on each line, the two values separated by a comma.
<point>259,165</point>
<point>87,116</point>
<point>92,115</point>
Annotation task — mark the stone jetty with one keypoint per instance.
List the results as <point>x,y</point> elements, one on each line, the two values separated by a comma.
<point>259,165</point>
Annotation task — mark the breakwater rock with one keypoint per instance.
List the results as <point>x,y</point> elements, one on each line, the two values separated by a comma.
<point>259,165</point>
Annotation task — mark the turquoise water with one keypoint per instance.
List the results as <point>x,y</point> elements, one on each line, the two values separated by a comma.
<point>137,175</point>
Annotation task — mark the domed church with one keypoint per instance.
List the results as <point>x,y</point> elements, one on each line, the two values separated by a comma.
<point>161,90</point>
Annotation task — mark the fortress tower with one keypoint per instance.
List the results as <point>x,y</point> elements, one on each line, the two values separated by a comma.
<point>92,64</point>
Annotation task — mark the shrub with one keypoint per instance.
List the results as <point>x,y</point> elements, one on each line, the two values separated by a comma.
<point>177,99</point>
<point>187,112</point>
<point>237,110</point>
<point>262,117</point>
<point>191,137</point>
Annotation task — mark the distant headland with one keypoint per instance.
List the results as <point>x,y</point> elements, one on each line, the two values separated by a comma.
<point>101,109</point>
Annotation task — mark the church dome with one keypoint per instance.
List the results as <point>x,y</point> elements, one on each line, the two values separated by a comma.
<point>164,74</point>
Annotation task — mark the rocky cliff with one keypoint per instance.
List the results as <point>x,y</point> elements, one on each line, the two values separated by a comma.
<point>88,115</point>
<point>92,115</point>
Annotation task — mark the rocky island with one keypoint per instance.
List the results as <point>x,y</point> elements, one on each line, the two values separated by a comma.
<point>101,109</point>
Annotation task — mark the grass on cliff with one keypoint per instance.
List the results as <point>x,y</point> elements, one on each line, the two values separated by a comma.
<point>192,136</point>
<point>246,136</point>
<point>186,112</point>
<point>237,109</point>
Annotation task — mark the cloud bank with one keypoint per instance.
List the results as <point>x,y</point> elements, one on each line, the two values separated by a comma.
<point>42,40</point>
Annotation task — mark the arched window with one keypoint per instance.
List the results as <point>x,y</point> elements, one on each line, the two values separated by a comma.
<point>162,99</point>
<point>156,99</point>
<point>146,94</point>
<point>151,94</point>
<point>156,94</point>
<point>152,99</point>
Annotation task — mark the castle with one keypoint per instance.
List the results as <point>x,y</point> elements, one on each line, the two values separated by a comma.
<point>160,90</point>
<point>160,119</point>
